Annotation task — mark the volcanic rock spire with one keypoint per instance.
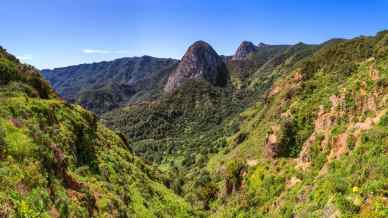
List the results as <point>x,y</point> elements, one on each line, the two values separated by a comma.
<point>200,62</point>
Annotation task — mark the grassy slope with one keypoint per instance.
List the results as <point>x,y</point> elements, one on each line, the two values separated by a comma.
<point>341,171</point>
<point>56,159</point>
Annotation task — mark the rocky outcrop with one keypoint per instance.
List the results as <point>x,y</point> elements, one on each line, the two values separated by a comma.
<point>245,49</point>
<point>200,62</point>
<point>272,146</point>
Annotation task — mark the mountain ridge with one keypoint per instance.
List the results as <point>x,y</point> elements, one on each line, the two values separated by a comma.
<point>245,49</point>
<point>130,75</point>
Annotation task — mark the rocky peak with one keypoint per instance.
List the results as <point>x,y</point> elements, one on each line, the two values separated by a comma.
<point>260,45</point>
<point>200,61</point>
<point>244,50</point>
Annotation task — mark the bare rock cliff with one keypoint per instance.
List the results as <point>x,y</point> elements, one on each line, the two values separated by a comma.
<point>200,62</point>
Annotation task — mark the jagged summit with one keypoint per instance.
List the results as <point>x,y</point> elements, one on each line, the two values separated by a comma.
<point>244,50</point>
<point>200,61</point>
<point>261,44</point>
<point>200,43</point>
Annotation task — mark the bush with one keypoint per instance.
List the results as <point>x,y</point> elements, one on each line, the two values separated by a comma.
<point>288,143</point>
<point>384,121</point>
<point>346,206</point>
<point>233,175</point>
<point>7,72</point>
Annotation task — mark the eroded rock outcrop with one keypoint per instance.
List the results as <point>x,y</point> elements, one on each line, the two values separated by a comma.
<point>272,145</point>
<point>200,62</point>
<point>244,50</point>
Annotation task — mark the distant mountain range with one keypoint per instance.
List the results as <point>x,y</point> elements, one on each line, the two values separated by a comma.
<point>104,86</point>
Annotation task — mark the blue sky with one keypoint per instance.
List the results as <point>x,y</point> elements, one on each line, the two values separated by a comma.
<point>54,33</point>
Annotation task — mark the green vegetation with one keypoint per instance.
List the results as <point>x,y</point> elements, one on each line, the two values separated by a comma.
<point>299,131</point>
<point>341,142</point>
<point>293,136</point>
<point>57,160</point>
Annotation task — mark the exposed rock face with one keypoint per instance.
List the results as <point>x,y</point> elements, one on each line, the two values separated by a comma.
<point>199,62</point>
<point>272,146</point>
<point>245,49</point>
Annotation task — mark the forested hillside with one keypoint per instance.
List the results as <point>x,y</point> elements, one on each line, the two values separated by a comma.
<point>298,131</point>
<point>194,109</point>
<point>272,131</point>
<point>316,146</point>
<point>58,160</point>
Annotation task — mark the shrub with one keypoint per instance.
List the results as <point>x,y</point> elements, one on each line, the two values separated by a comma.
<point>7,72</point>
<point>233,175</point>
<point>384,121</point>
<point>345,205</point>
<point>288,143</point>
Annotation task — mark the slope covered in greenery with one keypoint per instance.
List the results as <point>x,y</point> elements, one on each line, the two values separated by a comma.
<point>317,145</point>
<point>297,131</point>
<point>181,131</point>
<point>301,134</point>
<point>58,160</point>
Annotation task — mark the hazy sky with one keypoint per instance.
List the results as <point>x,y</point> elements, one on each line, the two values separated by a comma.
<point>53,33</point>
